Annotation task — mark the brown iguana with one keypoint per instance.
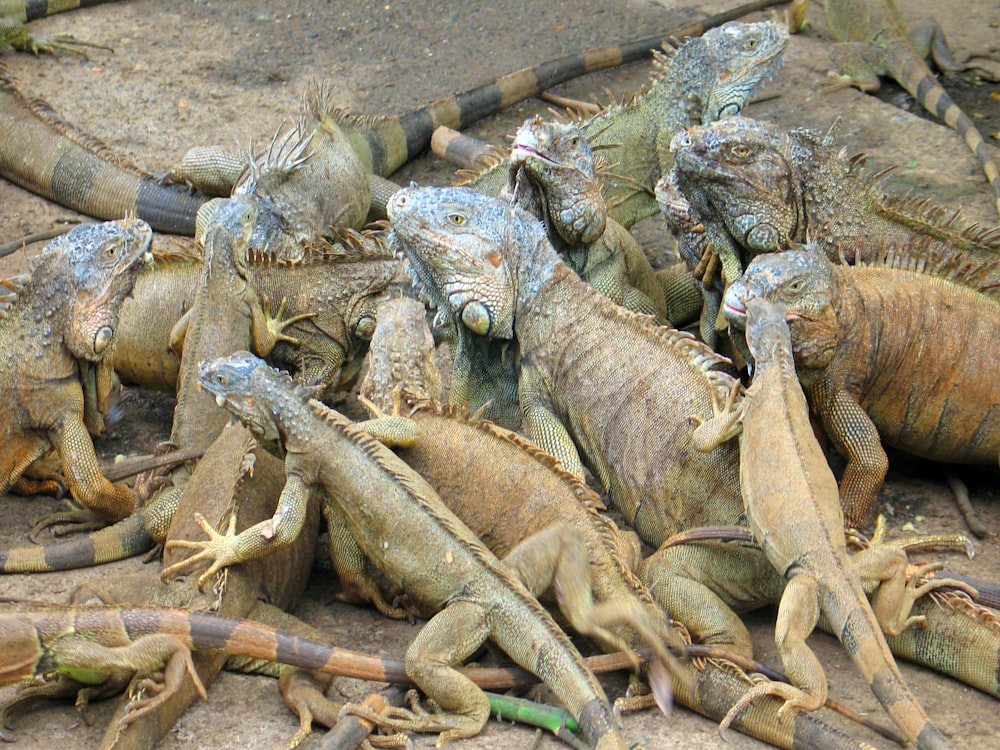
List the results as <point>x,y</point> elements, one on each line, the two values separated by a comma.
<point>448,569</point>
<point>875,41</point>
<point>576,398</point>
<point>893,352</point>
<point>705,78</point>
<point>65,312</point>
<point>457,451</point>
<point>14,14</point>
<point>795,516</point>
<point>743,187</point>
<point>77,170</point>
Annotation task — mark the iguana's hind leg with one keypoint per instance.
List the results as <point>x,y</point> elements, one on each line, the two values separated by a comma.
<point>798,614</point>
<point>448,638</point>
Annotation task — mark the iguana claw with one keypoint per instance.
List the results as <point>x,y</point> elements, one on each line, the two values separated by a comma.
<point>219,548</point>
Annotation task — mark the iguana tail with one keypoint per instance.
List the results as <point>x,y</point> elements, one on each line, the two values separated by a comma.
<point>45,154</point>
<point>129,537</point>
<point>386,143</point>
<point>861,636</point>
<point>31,10</point>
<point>917,79</point>
<point>712,691</point>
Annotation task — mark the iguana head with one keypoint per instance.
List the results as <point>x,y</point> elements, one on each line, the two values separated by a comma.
<point>454,238</point>
<point>92,269</point>
<point>230,380</point>
<point>723,67</point>
<point>745,171</point>
<point>802,282</point>
<point>555,158</point>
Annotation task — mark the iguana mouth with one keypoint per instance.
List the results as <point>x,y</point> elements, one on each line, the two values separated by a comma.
<point>520,148</point>
<point>735,310</point>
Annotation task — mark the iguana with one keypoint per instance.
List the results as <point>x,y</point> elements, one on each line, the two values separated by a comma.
<point>64,313</point>
<point>576,401</point>
<point>313,314</point>
<point>552,176</point>
<point>457,451</point>
<point>807,546</point>
<point>875,41</point>
<point>14,14</point>
<point>438,562</point>
<point>704,79</point>
<point>743,187</point>
<point>77,170</point>
<point>891,351</point>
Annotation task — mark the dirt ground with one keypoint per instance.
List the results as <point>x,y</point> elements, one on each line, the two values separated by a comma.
<point>196,72</point>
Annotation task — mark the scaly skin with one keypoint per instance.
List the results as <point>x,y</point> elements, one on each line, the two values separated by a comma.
<point>221,488</point>
<point>456,234</point>
<point>717,72</point>
<point>552,175</point>
<point>374,490</point>
<point>876,42</point>
<point>879,358</point>
<point>64,314</point>
<point>744,187</point>
<point>807,546</point>
<point>456,452</point>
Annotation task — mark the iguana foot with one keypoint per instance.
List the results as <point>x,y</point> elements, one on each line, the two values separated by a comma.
<point>795,700</point>
<point>916,587</point>
<point>149,692</point>
<point>303,695</point>
<point>71,520</point>
<point>417,719</point>
<point>53,44</point>
<point>220,549</point>
<point>269,329</point>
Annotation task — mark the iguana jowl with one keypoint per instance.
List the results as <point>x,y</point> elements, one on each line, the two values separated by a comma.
<point>60,319</point>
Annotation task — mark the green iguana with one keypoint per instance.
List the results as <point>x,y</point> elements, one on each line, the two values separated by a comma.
<point>14,14</point>
<point>743,187</point>
<point>704,79</point>
<point>580,402</point>
<point>795,516</point>
<point>58,320</point>
<point>401,525</point>
<point>77,170</point>
<point>889,352</point>
<point>875,41</point>
<point>457,451</point>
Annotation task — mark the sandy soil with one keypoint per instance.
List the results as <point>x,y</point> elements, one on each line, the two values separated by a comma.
<point>197,72</point>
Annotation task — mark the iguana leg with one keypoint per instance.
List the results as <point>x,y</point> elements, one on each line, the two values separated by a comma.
<point>928,35</point>
<point>268,329</point>
<point>855,436</point>
<point>91,663</point>
<point>112,502</point>
<point>303,693</point>
<point>72,519</point>
<point>895,595</point>
<point>356,582</point>
<point>542,425</point>
<point>798,614</point>
<point>393,430</point>
<point>448,638</point>
<point>14,33</point>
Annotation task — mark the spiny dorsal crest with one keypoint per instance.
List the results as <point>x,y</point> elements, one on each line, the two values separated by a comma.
<point>925,258</point>
<point>350,121</point>
<point>286,152</point>
<point>44,112</point>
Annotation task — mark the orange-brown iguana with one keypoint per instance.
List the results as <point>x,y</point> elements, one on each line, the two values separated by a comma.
<point>794,513</point>
<point>897,351</point>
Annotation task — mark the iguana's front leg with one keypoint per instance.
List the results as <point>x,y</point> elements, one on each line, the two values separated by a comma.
<point>261,539</point>
<point>268,328</point>
<point>541,423</point>
<point>87,483</point>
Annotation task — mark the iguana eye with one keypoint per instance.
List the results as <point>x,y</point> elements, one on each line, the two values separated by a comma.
<point>795,286</point>
<point>457,219</point>
<point>740,149</point>
<point>111,251</point>
<point>365,328</point>
<point>751,43</point>
<point>574,141</point>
